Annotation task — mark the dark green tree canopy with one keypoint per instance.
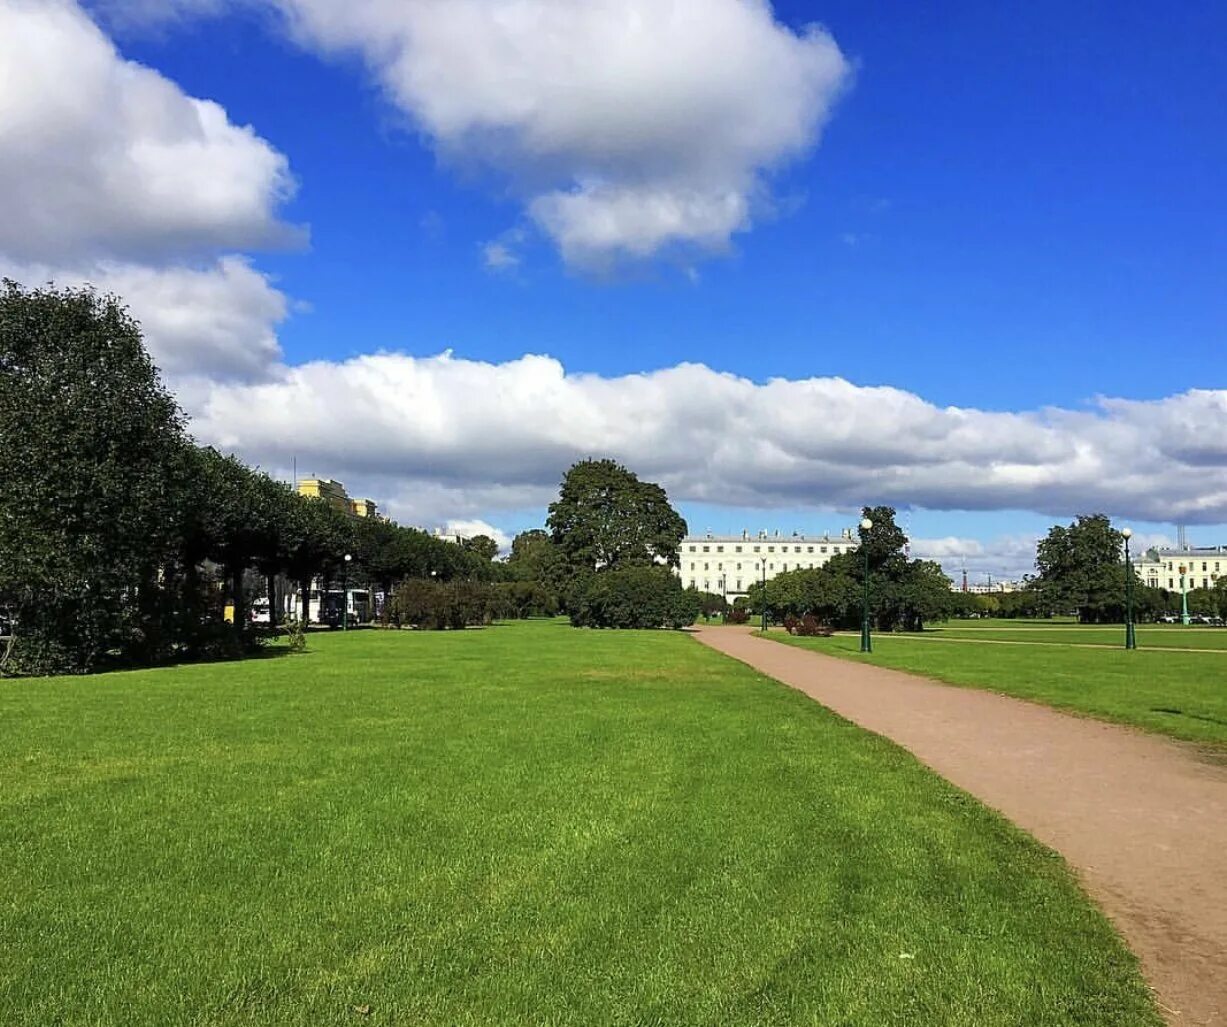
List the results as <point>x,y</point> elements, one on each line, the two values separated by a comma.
<point>605,517</point>
<point>1081,568</point>
<point>481,546</point>
<point>91,464</point>
<point>902,594</point>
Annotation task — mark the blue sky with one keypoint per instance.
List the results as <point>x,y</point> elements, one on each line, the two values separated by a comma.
<point>1009,208</point>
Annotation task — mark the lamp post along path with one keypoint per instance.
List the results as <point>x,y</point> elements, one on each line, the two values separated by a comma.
<point>1184,597</point>
<point>1130,639</point>
<point>345,594</point>
<point>866,639</point>
<point>764,563</point>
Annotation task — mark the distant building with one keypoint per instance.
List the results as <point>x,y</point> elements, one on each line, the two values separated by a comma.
<point>333,493</point>
<point>1200,566</point>
<point>991,588</point>
<point>729,564</point>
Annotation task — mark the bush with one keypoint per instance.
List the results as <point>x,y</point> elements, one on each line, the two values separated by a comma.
<point>739,615</point>
<point>436,605</point>
<point>634,597</point>
<point>807,626</point>
<point>296,635</point>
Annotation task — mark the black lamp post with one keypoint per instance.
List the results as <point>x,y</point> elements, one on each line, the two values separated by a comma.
<point>1130,640</point>
<point>764,595</point>
<point>866,640</point>
<point>345,593</point>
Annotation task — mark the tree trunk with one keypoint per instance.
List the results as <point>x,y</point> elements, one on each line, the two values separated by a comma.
<point>271,587</point>
<point>236,598</point>
<point>304,610</point>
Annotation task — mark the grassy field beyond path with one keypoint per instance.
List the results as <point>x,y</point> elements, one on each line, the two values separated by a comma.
<point>527,824</point>
<point>1182,694</point>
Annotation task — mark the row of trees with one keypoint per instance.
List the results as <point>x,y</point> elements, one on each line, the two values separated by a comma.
<point>120,538</point>
<point>1081,570</point>
<point>903,594</point>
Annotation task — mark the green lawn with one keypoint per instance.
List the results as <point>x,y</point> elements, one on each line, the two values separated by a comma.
<point>1149,636</point>
<point>523,825</point>
<point>1183,694</point>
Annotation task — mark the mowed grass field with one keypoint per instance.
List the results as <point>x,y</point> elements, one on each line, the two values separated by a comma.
<point>1158,687</point>
<point>526,824</point>
<point>1149,636</point>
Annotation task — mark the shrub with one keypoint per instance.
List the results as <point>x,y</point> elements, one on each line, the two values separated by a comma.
<point>809,627</point>
<point>739,615</point>
<point>296,635</point>
<point>437,605</point>
<point>634,597</point>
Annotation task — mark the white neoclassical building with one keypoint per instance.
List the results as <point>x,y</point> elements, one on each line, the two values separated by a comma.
<point>1199,566</point>
<point>729,564</point>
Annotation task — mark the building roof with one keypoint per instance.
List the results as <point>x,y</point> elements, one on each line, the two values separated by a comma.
<point>1189,553</point>
<point>763,537</point>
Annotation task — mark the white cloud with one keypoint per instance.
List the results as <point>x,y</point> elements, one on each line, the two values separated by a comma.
<point>499,257</point>
<point>1005,558</point>
<point>104,158</point>
<point>112,176</point>
<point>471,529</point>
<point>219,320</point>
<point>627,126</point>
<point>445,426</point>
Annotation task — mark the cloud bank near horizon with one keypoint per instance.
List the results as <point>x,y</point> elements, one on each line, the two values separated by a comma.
<point>465,438</point>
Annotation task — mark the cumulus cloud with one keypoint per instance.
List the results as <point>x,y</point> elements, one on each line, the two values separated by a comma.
<point>628,127</point>
<point>112,176</point>
<point>511,429</point>
<point>219,320</point>
<point>471,529</point>
<point>105,158</point>
<point>1005,558</point>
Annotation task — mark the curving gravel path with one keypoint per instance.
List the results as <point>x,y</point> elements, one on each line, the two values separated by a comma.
<point>1143,820</point>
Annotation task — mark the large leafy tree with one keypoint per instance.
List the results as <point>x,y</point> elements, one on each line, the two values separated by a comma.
<point>605,517</point>
<point>91,458</point>
<point>1081,568</point>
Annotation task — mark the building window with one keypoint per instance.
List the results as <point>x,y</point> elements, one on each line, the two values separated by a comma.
<point>770,566</point>
<point>756,549</point>
<point>739,584</point>
<point>719,549</point>
<point>1205,582</point>
<point>810,549</point>
<point>823,549</point>
<point>706,567</point>
<point>692,582</point>
<point>1203,565</point>
<point>739,566</point>
<point>1170,584</point>
<point>692,549</point>
<point>719,566</point>
<point>783,566</point>
<point>737,549</point>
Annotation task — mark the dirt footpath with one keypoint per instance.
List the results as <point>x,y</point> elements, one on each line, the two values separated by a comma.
<point>1142,819</point>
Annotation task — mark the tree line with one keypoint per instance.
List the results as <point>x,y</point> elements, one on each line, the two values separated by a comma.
<point>903,594</point>
<point>121,539</point>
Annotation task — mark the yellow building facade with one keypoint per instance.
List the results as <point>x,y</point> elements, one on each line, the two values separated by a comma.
<point>333,493</point>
